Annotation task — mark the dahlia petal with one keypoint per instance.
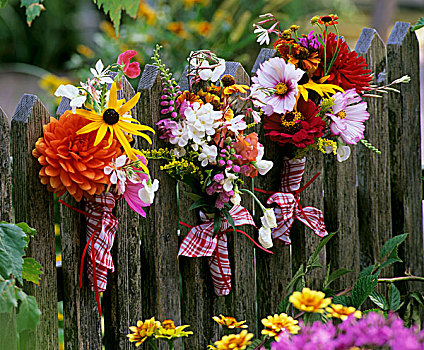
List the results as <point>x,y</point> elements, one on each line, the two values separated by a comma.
<point>64,177</point>
<point>89,174</point>
<point>80,166</point>
<point>55,182</point>
<point>51,171</point>
<point>76,178</point>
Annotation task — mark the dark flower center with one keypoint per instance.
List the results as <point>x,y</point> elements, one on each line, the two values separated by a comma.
<point>110,116</point>
<point>326,19</point>
<point>302,53</point>
<point>228,80</point>
<point>281,88</point>
<point>290,122</point>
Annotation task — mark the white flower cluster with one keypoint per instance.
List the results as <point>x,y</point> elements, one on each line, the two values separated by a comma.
<point>268,221</point>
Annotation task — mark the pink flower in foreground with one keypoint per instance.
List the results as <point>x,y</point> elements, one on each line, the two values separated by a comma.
<point>348,117</point>
<point>278,80</point>
<point>131,70</point>
<point>132,188</point>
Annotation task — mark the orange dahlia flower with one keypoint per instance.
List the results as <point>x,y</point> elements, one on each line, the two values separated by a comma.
<point>71,162</point>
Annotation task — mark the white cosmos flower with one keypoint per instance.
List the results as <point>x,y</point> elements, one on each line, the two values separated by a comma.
<point>76,95</point>
<point>100,74</point>
<point>212,74</point>
<point>208,154</point>
<point>265,238</point>
<point>147,193</point>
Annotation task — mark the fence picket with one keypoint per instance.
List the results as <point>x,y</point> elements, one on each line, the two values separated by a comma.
<point>34,205</point>
<point>122,298</point>
<point>159,248</point>
<point>405,161</point>
<point>81,322</point>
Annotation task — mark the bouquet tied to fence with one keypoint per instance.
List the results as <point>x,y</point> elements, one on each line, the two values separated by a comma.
<point>311,94</point>
<point>87,153</point>
<point>210,149</point>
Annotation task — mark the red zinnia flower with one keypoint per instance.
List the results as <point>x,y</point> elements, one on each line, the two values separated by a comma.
<point>299,127</point>
<point>349,71</point>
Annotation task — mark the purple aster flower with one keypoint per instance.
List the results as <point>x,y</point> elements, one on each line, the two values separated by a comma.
<point>278,80</point>
<point>348,117</point>
<point>165,127</point>
<point>310,42</point>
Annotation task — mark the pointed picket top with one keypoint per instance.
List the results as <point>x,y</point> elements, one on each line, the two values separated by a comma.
<point>399,32</point>
<point>34,205</point>
<point>264,55</point>
<point>148,77</point>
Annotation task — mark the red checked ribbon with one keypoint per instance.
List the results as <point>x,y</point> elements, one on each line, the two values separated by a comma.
<point>100,235</point>
<point>200,241</point>
<point>289,207</point>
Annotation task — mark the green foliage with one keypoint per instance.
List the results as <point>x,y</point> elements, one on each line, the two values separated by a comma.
<point>12,245</point>
<point>3,3</point>
<point>394,297</point>
<point>13,269</point>
<point>254,344</point>
<point>363,287</point>
<point>379,300</point>
<point>335,275</point>
<point>391,245</point>
<point>418,25</point>
<point>114,9</point>
<point>33,9</point>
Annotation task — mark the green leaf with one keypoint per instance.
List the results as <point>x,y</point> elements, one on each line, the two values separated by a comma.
<point>299,273</point>
<point>392,244</point>
<point>394,297</point>
<point>3,3</point>
<point>12,245</point>
<point>418,25</point>
<point>322,243</point>
<point>418,297</point>
<point>367,271</point>
<point>389,262</point>
<point>229,218</point>
<point>378,311</point>
<point>217,224</point>
<point>337,274</point>
<point>254,344</point>
<point>344,300</point>
<point>379,300</point>
<point>284,305</point>
<point>7,295</point>
<point>114,9</point>
<point>31,270</point>
<point>199,203</point>
<point>193,196</point>
<point>363,287</point>
<point>29,231</point>
<point>33,9</point>
<point>28,315</point>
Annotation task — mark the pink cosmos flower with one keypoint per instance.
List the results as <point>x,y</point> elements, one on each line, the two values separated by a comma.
<point>278,80</point>
<point>348,117</point>
<point>133,185</point>
<point>131,70</point>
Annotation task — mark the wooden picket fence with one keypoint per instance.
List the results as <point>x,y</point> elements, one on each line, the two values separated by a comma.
<point>368,199</point>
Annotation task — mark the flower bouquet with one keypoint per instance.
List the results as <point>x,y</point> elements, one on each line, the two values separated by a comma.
<point>311,94</point>
<point>87,153</point>
<point>210,149</point>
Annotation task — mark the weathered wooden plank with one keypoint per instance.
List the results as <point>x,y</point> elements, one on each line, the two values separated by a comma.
<point>303,239</point>
<point>264,55</point>
<point>122,299</point>
<point>374,205</point>
<point>405,161</point>
<point>8,322</point>
<point>34,205</point>
<point>81,320</point>
<point>159,240</point>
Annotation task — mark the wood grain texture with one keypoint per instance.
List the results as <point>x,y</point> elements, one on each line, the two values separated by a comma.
<point>303,239</point>
<point>33,204</point>
<point>374,204</point>
<point>405,161</point>
<point>159,240</point>
<point>122,298</point>
<point>8,322</point>
<point>81,320</point>
<point>264,55</point>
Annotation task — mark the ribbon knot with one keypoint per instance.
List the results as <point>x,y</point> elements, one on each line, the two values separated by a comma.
<point>200,242</point>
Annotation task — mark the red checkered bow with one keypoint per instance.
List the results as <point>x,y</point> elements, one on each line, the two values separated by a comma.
<point>289,207</point>
<point>201,242</point>
<point>100,234</point>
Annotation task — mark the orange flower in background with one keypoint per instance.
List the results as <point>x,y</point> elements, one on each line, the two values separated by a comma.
<point>71,162</point>
<point>144,10</point>
<point>229,322</point>
<point>189,97</point>
<point>178,28</point>
<point>329,20</point>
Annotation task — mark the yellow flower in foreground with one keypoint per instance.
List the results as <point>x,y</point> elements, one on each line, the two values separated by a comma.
<point>143,331</point>
<point>342,312</point>
<point>278,323</point>
<point>310,300</point>
<point>169,331</point>
<point>229,322</point>
<point>115,120</point>
<point>321,89</point>
<point>234,341</point>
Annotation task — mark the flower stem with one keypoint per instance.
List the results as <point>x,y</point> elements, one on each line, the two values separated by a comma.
<point>255,198</point>
<point>153,345</point>
<point>171,345</point>
<point>398,279</point>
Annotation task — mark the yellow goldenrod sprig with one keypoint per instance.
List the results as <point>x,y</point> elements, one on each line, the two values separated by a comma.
<point>323,143</point>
